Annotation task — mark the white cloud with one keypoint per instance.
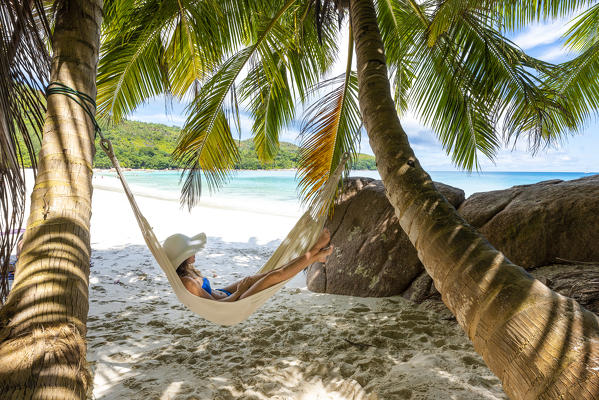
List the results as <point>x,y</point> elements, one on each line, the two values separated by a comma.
<point>160,118</point>
<point>541,34</point>
<point>555,53</point>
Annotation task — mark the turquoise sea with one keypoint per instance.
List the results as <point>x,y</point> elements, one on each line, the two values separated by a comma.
<point>277,190</point>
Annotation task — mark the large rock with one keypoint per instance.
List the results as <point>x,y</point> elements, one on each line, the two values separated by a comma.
<point>579,281</point>
<point>539,224</point>
<point>373,256</point>
<point>534,225</point>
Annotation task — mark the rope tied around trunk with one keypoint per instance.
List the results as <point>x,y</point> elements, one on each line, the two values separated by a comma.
<point>88,104</point>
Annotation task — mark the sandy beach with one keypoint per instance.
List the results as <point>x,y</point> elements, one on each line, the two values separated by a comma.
<point>143,344</point>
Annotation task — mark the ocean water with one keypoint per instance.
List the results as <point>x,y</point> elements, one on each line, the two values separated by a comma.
<point>276,191</point>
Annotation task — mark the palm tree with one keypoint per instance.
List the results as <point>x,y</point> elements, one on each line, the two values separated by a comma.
<point>446,57</point>
<point>540,344</point>
<point>43,322</point>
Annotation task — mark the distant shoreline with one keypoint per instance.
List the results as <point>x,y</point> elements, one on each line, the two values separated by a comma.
<point>295,169</point>
<point>181,170</point>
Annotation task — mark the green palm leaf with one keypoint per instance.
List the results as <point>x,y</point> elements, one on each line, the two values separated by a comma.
<point>578,87</point>
<point>286,69</point>
<point>131,69</point>
<point>463,78</point>
<point>207,125</point>
<point>584,32</point>
<point>156,47</point>
<point>577,82</point>
<point>400,22</point>
<point>516,14</point>
<point>272,106</point>
<point>509,15</point>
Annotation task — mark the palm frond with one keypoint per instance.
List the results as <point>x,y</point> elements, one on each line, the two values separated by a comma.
<point>186,61</point>
<point>577,86</point>
<point>517,14</point>
<point>327,13</point>
<point>309,57</point>
<point>442,86</point>
<point>331,127</point>
<point>195,47</point>
<point>131,68</point>
<point>207,125</point>
<point>465,79</point>
<point>526,106</point>
<point>268,93</point>
<point>24,73</point>
<point>576,81</point>
<point>511,15</point>
<point>445,17</point>
<point>272,106</point>
<point>584,32</point>
<point>399,23</point>
<point>286,69</point>
<point>210,154</point>
<point>115,11</point>
<point>155,47</point>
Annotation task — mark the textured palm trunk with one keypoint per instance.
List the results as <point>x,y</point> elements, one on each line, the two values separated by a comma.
<point>42,325</point>
<point>539,343</point>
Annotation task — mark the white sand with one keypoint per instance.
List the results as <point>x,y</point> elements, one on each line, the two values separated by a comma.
<point>144,345</point>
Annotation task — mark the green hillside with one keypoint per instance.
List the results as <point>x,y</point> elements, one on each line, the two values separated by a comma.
<point>139,145</point>
<point>142,145</point>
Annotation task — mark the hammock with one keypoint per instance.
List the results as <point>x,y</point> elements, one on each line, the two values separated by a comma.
<point>303,236</point>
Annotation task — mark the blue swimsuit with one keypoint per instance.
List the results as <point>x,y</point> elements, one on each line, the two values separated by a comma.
<point>206,287</point>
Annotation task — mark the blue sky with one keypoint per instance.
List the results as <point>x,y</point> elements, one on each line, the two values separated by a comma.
<point>542,40</point>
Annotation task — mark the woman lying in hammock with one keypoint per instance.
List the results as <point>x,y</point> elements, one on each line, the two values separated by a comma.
<point>181,251</point>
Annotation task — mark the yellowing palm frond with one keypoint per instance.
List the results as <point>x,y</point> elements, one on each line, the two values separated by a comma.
<point>331,128</point>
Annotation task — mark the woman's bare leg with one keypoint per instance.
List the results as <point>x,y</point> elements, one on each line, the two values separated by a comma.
<point>317,253</point>
<point>254,278</point>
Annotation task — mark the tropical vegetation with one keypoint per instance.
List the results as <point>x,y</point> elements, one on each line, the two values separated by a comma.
<point>141,145</point>
<point>448,62</point>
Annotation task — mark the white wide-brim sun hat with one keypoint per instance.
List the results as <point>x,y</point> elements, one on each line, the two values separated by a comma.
<point>179,247</point>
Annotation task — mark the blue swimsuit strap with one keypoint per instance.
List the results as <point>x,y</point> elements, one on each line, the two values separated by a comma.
<point>206,285</point>
<point>225,292</point>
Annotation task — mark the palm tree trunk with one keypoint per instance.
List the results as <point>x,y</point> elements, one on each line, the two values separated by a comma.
<point>539,343</point>
<point>43,323</point>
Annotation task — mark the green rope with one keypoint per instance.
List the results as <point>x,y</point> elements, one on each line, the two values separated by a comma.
<point>85,101</point>
<point>88,105</point>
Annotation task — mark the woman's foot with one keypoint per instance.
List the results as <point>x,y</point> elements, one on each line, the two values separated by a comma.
<point>323,240</point>
<point>321,250</point>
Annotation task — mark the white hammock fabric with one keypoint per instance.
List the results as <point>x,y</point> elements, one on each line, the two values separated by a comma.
<point>300,238</point>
